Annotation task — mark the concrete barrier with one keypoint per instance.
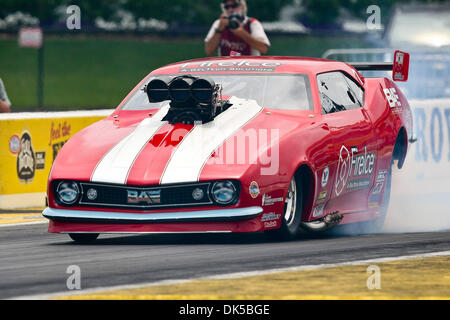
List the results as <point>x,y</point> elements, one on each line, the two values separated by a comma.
<point>29,145</point>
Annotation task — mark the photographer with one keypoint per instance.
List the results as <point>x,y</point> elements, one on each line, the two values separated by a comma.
<point>235,32</point>
<point>5,104</point>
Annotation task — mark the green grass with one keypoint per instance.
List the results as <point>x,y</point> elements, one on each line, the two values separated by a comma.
<point>87,73</point>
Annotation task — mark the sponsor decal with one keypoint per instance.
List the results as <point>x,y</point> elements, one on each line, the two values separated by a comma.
<point>378,187</point>
<point>353,165</point>
<point>254,189</point>
<point>342,170</point>
<point>268,200</point>
<point>197,194</point>
<point>149,197</point>
<point>215,66</point>
<point>374,201</point>
<point>322,196</point>
<point>270,216</point>
<point>92,194</point>
<point>373,204</point>
<point>14,144</point>
<point>381,176</point>
<point>392,97</point>
<point>358,184</point>
<point>361,164</point>
<point>325,174</point>
<point>401,66</point>
<point>318,211</point>
<point>270,224</point>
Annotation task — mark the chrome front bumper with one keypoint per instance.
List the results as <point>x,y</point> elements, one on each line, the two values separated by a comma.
<point>218,215</point>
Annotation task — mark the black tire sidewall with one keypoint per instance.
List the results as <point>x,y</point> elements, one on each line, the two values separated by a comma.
<point>293,229</point>
<point>285,232</point>
<point>84,237</point>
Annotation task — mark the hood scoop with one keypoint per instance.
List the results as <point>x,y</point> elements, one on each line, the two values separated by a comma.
<point>193,100</point>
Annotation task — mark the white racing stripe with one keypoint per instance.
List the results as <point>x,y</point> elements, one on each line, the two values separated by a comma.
<point>116,164</point>
<point>195,149</point>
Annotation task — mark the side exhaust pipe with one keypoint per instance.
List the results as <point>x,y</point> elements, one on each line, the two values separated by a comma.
<point>329,221</point>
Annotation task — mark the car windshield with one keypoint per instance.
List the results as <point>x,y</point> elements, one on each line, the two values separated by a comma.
<point>277,91</point>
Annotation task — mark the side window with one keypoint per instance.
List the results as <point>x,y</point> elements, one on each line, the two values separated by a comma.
<point>338,92</point>
<point>355,89</point>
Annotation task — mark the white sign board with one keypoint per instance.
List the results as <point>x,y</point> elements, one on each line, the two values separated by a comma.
<point>30,37</point>
<point>427,165</point>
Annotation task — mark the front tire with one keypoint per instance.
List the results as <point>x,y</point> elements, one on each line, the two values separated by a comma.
<point>84,238</point>
<point>292,215</point>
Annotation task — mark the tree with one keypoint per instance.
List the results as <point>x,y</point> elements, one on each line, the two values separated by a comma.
<point>320,13</point>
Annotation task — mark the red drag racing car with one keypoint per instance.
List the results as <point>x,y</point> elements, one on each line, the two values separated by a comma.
<point>236,144</point>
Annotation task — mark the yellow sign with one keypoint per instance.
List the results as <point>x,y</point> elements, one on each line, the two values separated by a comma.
<point>28,148</point>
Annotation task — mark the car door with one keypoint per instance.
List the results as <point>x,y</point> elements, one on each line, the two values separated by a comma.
<point>355,145</point>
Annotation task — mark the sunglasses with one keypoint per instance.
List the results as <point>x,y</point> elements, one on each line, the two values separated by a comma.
<point>231,6</point>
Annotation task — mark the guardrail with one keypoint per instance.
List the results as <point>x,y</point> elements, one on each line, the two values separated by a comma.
<point>29,145</point>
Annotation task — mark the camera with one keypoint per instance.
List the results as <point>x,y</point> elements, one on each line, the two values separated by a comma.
<point>235,21</point>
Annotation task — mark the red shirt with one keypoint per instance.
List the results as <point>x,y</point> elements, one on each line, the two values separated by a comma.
<point>230,42</point>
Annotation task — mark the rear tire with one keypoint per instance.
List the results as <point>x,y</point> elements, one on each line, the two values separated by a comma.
<point>84,237</point>
<point>292,215</point>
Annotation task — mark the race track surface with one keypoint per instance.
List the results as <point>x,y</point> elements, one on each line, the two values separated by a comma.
<point>33,262</point>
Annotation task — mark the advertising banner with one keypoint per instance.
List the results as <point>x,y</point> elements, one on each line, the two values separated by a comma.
<point>29,144</point>
<point>427,166</point>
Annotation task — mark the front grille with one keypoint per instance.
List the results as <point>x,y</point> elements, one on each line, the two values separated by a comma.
<point>142,198</point>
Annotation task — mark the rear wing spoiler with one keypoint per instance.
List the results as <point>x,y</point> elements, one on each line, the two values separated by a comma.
<point>399,68</point>
<point>372,66</point>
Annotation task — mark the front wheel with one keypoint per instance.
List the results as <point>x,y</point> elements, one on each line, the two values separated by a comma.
<point>292,215</point>
<point>84,237</point>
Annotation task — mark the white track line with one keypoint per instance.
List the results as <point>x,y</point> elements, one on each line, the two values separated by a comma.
<point>229,276</point>
<point>22,224</point>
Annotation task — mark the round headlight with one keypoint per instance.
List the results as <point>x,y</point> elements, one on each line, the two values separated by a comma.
<point>223,192</point>
<point>68,192</point>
